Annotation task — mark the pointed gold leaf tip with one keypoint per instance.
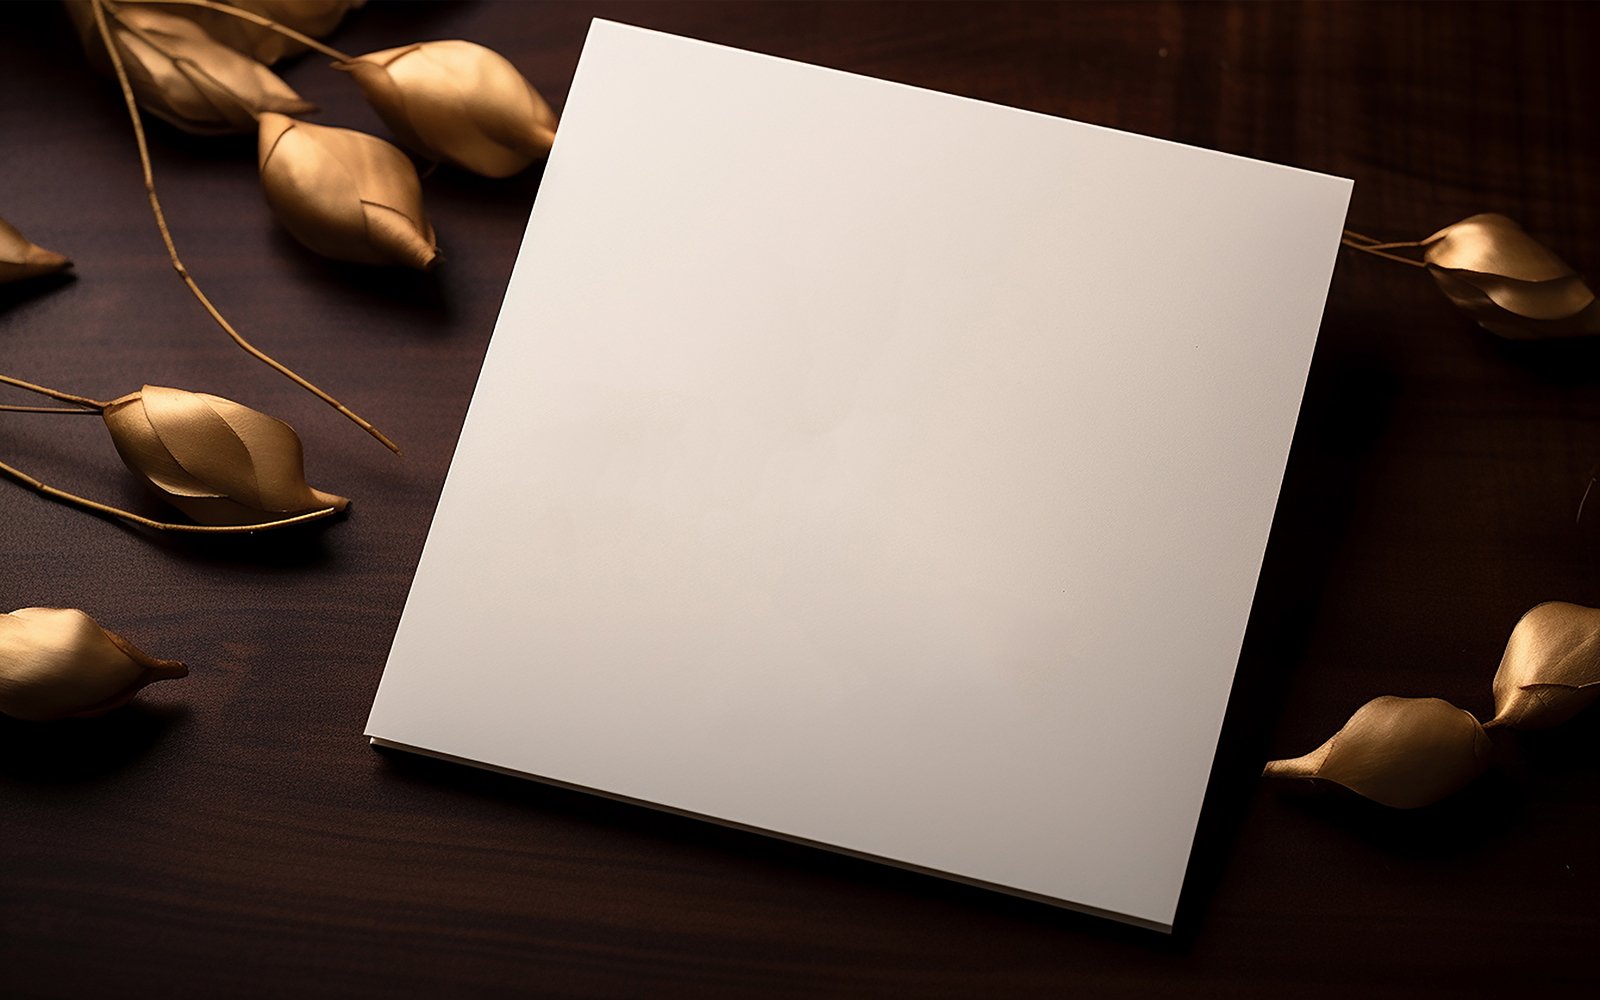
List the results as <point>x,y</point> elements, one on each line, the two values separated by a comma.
<point>344,194</point>
<point>1551,667</point>
<point>1509,282</point>
<point>21,258</point>
<point>1400,752</point>
<point>58,663</point>
<point>458,102</point>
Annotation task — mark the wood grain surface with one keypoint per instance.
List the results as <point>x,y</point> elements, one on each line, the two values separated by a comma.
<point>232,834</point>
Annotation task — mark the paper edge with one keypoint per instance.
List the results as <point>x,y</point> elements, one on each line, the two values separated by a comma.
<point>609,24</point>
<point>380,743</point>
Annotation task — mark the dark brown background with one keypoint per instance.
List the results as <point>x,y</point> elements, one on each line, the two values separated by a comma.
<point>233,834</point>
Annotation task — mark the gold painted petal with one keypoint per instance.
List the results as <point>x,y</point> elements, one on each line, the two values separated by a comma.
<point>1554,299</point>
<point>20,258</point>
<point>58,662</point>
<point>216,460</point>
<point>1551,667</point>
<point>1490,315</point>
<point>321,183</point>
<point>202,443</point>
<point>1493,244</point>
<point>276,457</point>
<point>184,76</point>
<point>460,102</point>
<point>1401,752</point>
<point>316,18</point>
<point>136,440</point>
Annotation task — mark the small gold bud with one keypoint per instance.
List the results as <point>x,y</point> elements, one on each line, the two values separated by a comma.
<point>1551,667</point>
<point>182,75</point>
<point>57,663</point>
<point>345,194</point>
<point>20,258</point>
<point>1508,281</point>
<point>219,462</point>
<point>458,102</point>
<point>1401,752</point>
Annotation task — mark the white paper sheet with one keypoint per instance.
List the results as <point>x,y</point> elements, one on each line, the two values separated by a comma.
<point>878,468</point>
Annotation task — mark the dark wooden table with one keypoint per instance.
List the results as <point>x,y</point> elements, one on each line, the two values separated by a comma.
<point>233,834</point>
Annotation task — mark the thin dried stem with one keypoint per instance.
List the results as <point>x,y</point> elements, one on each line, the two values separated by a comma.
<point>1374,250</point>
<point>106,510</point>
<point>8,408</point>
<point>66,397</point>
<point>100,8</point>
<point>253,18</point>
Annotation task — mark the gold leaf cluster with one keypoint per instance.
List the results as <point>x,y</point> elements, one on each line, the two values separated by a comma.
<point>1410,752</point>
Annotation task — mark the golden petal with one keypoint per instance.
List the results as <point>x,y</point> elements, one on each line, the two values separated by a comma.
<point>58,662</point>
<point>182,75</point>
<point>136,440</point>
<point>1493,244</point>
<point>1551,667</point>
<point>202,442</point>
<point>311,192</point>
<point>458,101</point>
<point>321,181</point>
<point>20,258</point>
<point>277,456</point>
<point>1401,752</point>
<point>1493,317</point>
<point>1558,298</point>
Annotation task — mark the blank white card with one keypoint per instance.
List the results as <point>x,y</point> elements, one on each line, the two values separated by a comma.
<point>881,469</point>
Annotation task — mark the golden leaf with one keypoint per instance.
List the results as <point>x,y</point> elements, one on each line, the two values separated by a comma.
<point>219,462</point>
<point>21,259</point>
<point>57,662</point>
<point>316,18</point>
<point>182,75</point>
<point>1551,667</point>
<point>345,194</point>
<point>1509,282</point>
<point>1401,752</point>
<point>459,102</point>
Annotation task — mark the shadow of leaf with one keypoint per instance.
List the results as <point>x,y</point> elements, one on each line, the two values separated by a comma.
<point>76,750</point>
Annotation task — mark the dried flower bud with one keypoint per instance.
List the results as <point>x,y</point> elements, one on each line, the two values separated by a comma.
<point>316,18</point>
<point>458,102</point>
<point>183,75</point>
<point>1508,281</point>
<point>56,663</point>
<point>1402,752</point>
<point>21,259</point>
<point>345,194</point>
<point>1551,668</point>
<point>217,461</point>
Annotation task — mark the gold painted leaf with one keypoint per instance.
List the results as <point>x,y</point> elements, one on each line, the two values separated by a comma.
<point>1551,667</point>
<point>182,75</point>
<point>1401,752</point>
<point>345,194</point>
<point>459,102</point>
<point>58,663</point>
<point>217,461</point>
<point>1509,282</point>
<point>21,259</point>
